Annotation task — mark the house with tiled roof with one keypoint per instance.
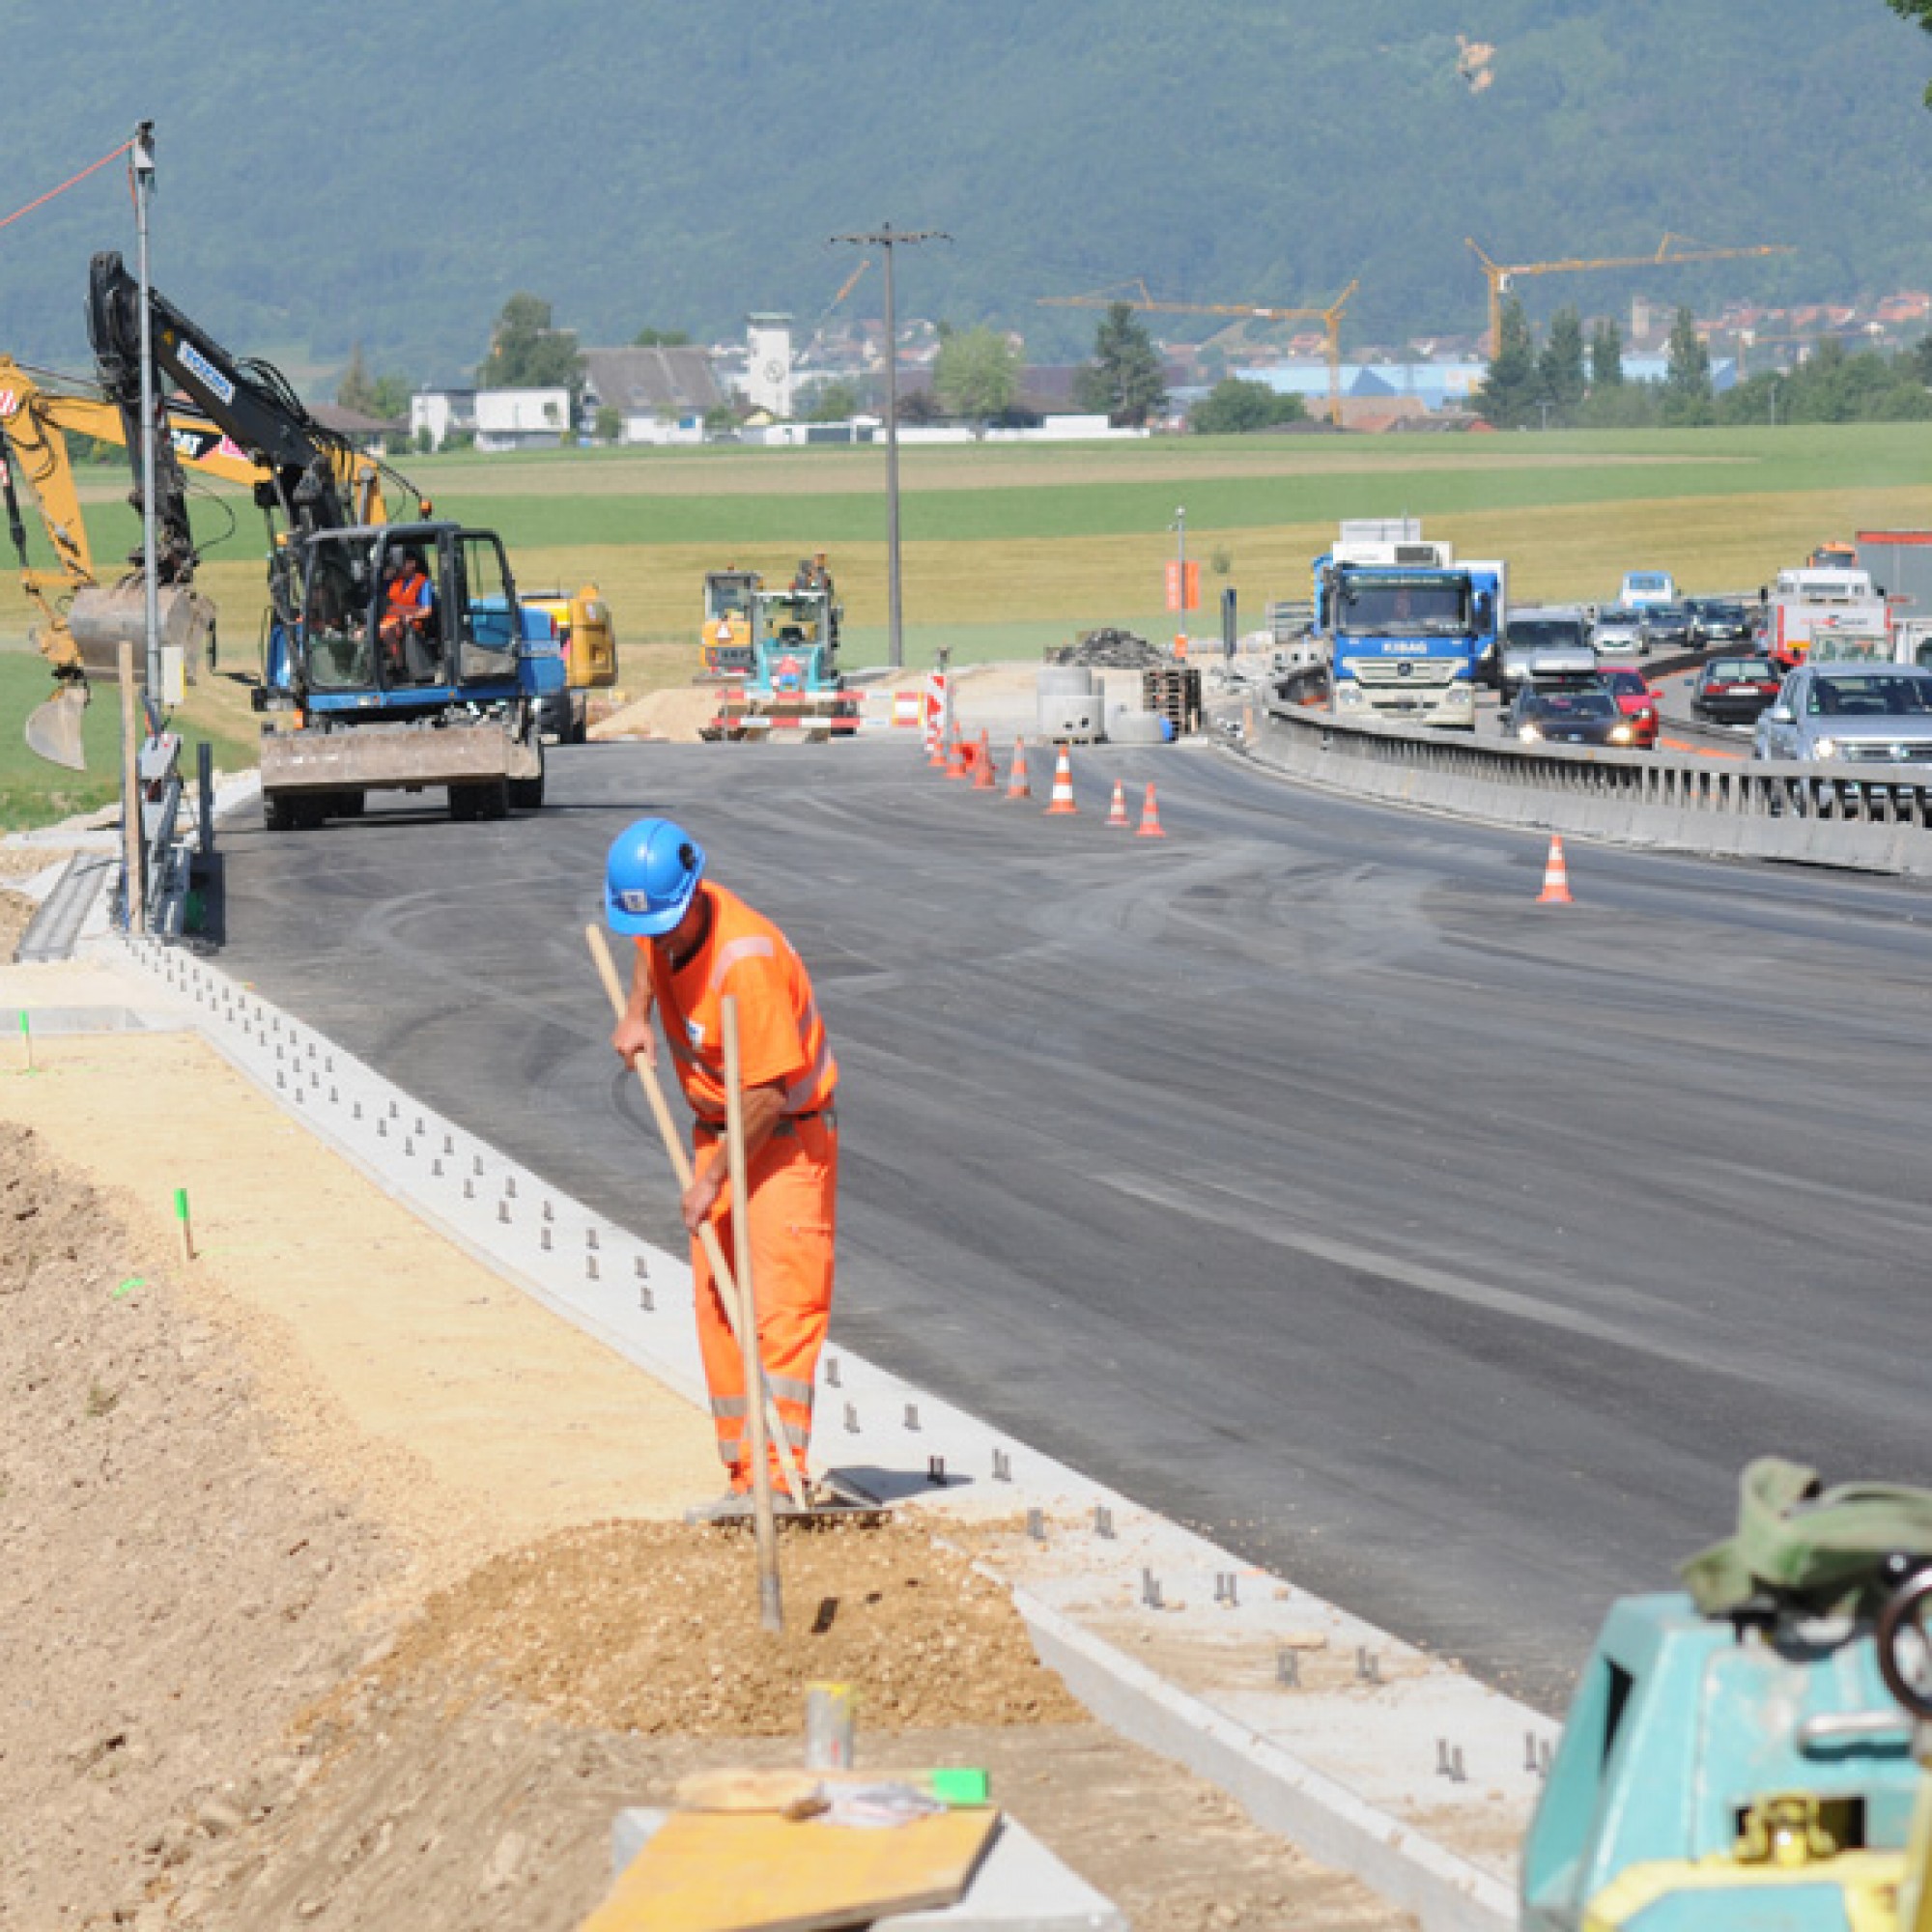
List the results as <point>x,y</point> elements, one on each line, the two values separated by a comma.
<point>660,395</point>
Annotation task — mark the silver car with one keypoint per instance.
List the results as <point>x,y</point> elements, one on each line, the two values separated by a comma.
<point>1621,633</point>
<point>1874,714</point>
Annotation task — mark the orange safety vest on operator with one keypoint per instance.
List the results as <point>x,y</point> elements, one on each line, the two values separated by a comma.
<point>781,1036</point>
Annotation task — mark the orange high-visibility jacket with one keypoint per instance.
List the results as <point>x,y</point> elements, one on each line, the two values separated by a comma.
<point>781,1036</point>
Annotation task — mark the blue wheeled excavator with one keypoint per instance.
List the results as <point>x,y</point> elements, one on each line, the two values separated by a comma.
<point>397,654</point>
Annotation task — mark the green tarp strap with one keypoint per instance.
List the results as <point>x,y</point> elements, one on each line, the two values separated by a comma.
<point>1795,1538</point>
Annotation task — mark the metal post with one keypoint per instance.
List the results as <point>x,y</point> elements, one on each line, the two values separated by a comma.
<point>890,240</point>
<point>894,614</point>
<point>144,187</point>
<point>1181,583</point>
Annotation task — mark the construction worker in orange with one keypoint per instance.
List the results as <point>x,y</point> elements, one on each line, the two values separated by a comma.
<point>697,944</point>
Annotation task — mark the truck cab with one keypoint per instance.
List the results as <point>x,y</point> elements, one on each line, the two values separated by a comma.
<point>1642,588</point>
<point>1404,625</point>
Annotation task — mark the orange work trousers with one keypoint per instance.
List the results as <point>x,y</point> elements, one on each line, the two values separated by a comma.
<point>794,1188</point>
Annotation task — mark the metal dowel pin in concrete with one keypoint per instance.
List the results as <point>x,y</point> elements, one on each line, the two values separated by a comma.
<point>468,1188</point>
<point>1288,1670</point>
<point>548,1214</point>
<point>503,1211</point>
<point>409,1147</point>
<point>1103,1522</point>
<point>851,1419</point>
<point>449,1143</point>
<point>183,1225</point>
<point>1529,1753</point>
<point>356,1114</point>
<point>590,1239</point>
<point>912,1416</point>
<point>478,1168</point>
<point>1150,1590</point>
<point>1368,1666</point>
<point>436,1170</point>
<point>1442,1757</point>
<point>640,1269</point>
<point>590,1268</point>
<point>1457,1775</point>
<point>509,1186</point>
<point>1036,1525</point>
<point>1003,1467</point>
<point>1543,1758</point>
<point>543,1239</point>
<point>935,1471</point>
<point>832,1372</point>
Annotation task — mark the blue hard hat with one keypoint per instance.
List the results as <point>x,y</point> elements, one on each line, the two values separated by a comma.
<point>652,871</point>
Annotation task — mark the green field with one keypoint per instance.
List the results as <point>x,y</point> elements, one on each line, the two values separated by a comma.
<point>1010,547</point>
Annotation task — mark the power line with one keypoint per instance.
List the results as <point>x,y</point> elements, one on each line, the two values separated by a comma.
<point>889,241</point>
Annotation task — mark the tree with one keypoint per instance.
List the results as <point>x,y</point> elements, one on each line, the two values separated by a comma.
<point>1559,368</point>
<point>1237,405</point>
<point>610,423</point>
<point>1509,393</point>
<point>660,338</point>
<point>836,402</point>
<point>1687,373</point>
<point>1124,382</point>
<point>1606,356</point>
<point>526,353</point>
<point>384,397</point>
<point>1919,14</point>
<point>977,374</point>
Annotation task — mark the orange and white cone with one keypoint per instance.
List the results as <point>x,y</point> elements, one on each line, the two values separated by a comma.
<point>1556,876</point>
<point>1016,784</point>
<point>1061,800</point>
<point>983,775</point>
<point>1116,812</point>
<point>959,762</point>
<point>1150,827</point>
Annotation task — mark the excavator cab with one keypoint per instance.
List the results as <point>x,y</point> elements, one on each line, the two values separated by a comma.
<point>395,613</point>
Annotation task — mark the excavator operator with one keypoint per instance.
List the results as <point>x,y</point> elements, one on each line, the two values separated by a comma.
<point>409,617</point>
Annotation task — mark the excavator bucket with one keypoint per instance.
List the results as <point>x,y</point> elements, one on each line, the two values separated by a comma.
<point>53,728</point>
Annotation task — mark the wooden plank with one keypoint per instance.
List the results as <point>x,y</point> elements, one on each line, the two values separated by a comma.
<point>740,1872</point>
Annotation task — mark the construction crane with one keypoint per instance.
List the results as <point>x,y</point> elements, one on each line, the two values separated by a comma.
<point>1330,318</point>
<point>1670,251</point>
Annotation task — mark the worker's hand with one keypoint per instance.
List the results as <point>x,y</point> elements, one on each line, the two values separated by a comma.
<point>701,1196</point>
<point>632,1037</point>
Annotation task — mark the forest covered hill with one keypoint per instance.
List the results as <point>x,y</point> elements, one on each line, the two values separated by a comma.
<point>357,172</point>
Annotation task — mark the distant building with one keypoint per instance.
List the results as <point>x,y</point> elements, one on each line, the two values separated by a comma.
<point>364,432</point>
<point>440,414</point>
<point>522,419</point>
<point>768,363</point>
<point>660,395</point>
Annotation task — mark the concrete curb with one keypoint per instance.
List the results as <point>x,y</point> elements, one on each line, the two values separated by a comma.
<point>1279,1790</point>
<point>1341,1770</point>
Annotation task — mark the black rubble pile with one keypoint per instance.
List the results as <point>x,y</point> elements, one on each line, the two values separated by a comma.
<point>1108,650</point>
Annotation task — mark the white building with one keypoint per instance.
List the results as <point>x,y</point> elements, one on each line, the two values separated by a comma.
<point>442,413</point>
<point>660,395</point>
<point>522,419</point>
<point>768,379</point>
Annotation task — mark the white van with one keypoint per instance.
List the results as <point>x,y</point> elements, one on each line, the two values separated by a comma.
<point>1643,588</point>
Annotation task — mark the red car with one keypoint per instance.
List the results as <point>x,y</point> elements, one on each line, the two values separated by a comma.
<point>1637,701</point>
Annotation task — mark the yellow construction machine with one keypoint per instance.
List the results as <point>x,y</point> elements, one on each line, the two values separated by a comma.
<point>588,641</point>
<point>84,621</point>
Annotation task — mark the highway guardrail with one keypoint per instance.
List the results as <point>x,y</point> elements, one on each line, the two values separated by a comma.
<point>1868,818</point>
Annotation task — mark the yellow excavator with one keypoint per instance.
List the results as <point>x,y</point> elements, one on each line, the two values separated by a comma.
<point>84,621</point>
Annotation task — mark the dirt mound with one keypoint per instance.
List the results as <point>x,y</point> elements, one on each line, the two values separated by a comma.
<point>653,1627</point>
<point>1108,650</point>
<point>673,714</point>
<point>170,1593</point>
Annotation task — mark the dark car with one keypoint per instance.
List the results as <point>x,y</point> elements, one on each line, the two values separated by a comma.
<point>1734,690</point>
<point>1720,620</point>
<point>1672,627</point>
<point>1570,718</point>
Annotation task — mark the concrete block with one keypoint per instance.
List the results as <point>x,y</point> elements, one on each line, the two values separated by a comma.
<point>1020,1885</point>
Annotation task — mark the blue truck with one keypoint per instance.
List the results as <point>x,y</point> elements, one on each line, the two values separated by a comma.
<point>1408,630</point>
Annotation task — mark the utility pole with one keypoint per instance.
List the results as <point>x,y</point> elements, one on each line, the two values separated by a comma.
<point>142,163</point>
<point>891,240</point>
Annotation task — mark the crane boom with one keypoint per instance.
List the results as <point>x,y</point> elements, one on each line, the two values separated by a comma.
<point>1668,253</point>
<point>1329,317</point>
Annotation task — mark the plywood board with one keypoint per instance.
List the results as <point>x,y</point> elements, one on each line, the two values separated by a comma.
<point>731,1872</point>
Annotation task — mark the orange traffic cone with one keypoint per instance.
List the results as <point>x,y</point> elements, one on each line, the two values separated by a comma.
<point>1556,876</point>
<point>959,764</point>
<point>1063,787</point>
<point>1150,817</point>
<point>1017,786</point>
<point>1116,812</point>
<point>983,775</point>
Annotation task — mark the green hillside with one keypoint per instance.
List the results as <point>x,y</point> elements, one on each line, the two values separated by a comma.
<point>389,175</point>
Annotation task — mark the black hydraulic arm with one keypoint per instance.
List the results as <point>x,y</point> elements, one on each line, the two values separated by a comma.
<point>252,401</point>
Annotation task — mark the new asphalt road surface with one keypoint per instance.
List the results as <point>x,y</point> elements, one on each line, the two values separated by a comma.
<point>1297,1173</point>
